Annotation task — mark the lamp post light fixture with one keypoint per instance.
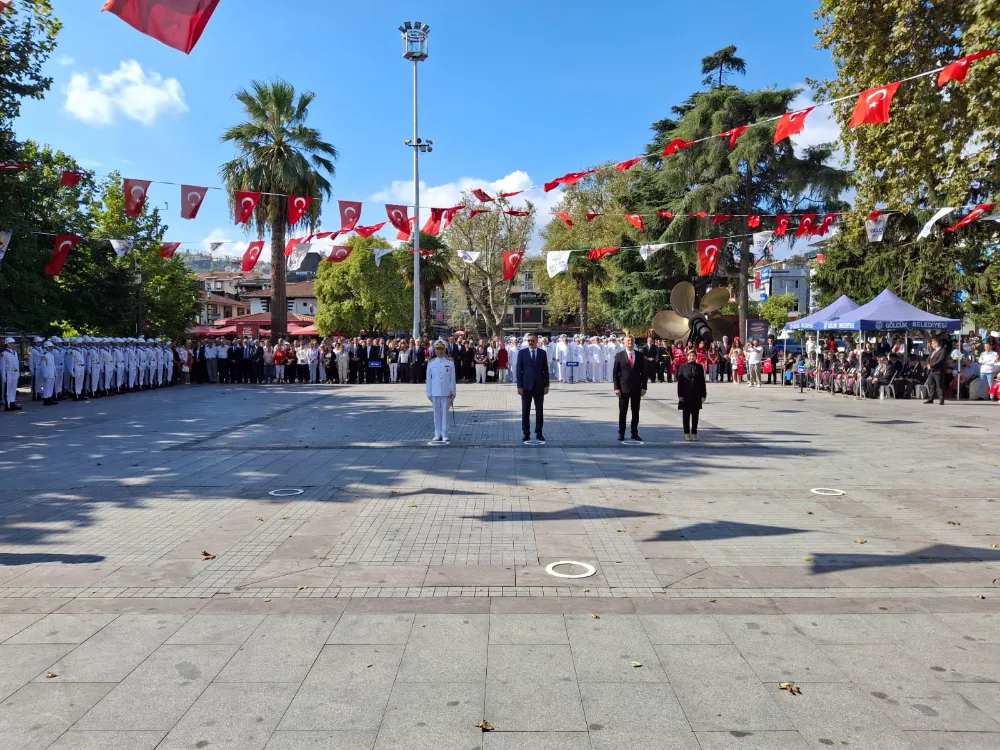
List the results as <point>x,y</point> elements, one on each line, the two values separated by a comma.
<point>415,50</point>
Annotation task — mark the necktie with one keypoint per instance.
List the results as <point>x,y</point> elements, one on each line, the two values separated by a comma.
<point>532,355</point>
<point>630,359</point>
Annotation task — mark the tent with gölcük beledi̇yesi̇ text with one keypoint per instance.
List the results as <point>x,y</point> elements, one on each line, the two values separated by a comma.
<point>842,305</point>
<point>887,312</point>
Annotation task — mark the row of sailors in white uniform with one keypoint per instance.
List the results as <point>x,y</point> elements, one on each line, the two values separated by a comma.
<point>87,366</point>
<point>577,360</point>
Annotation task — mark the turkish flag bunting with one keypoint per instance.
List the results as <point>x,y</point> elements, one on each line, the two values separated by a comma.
<point>10,166</point>
<point>369,231</point>
<point>191,199</point>
<point>820,258</point>
<point>805,225</point>
<point>135,196</point>
<point>824,226</point>
<point>511,195</point>
<point>957,70</point>
<point>972,216</point>
<point>69,178</point>
<point>398,217</point>
<point>570,178</point>
<point>246,202</point>
<point>449,215</point>
<point>719,218</point>
<point>339,253</point>
<point>512,212</point>
<point>734,133</point>
<point>565,217</point>
<point>781,224</point>
<point>297,206</point>
<point>676,145</point>
<point>636,221</point>
<point>176,23</point>
<point>404,234</point>
<point>756,280</point>
<point>292,243</point>
<point>708,255</point>
<point>753,221</point>
<point>511,260</point>
<point>591,217</point>
<point>433,223</point>
<point>874,215</point>
<point>665,214</point>
<point>698,215</point>
<point>623,166</point>
<point>60,250</point>
<point>596,253</point>
<point>873,105</point>
<point>791,123</point>
<point>482,195</point>
<point>250,256</point>
<point>167,249</point>
<point>473,212</point>
<point>350,213</point>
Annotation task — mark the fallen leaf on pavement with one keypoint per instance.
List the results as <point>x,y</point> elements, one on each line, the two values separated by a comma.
<point>595,617</point>
<point>301,587</point>
<point>586,590</point>
<point>206,555</point>
<point>260,518</point>
<point>283,518</point>
<point>859,540</point>
<point>980,596</point>
<point>412,505</point>
<point>711,601</point>
<point>993,546</point>
<point>484,725</point>
<point>791,687</point>
<point>369,666</point>
<point>808,559</point>
<point>636,664</point>
<point>267,600</point>
<point>50,675</point>
<point>620,531</point>
<point>953,523</point>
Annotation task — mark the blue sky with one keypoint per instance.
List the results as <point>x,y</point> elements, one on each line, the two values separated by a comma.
<point>513,97</point>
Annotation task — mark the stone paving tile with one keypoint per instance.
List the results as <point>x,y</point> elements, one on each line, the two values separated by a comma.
<point>251,711</point>
<point>107,740</point>
<point>954,740</point>
<point>11,625</point>
<point>635,716</point>
<point>530,663</point>
<point>536,741</point>
<point>432,715</point>
<point>35,716</point>
<point>683,630</point>
<point>528,629</point>
<point>21,664</point>
<point>776,651</point>
<point>216,630</point>
<point>283,648</point>
<point>372,629</point>
<point>306,740</point>
<point>526,705</point>
<point>606,649</point>
<point>60,628</point>
<point>446,648</point>
<point>751,741</point>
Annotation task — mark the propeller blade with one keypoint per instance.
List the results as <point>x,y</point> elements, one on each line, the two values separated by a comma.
<point>714,299</point>
<point>682,299</point>
<point>721,327</point>
<point>670,326</point>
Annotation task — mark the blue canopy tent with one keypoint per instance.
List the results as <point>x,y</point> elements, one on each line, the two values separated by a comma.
<point>843,304</point>
<point>887,312</point>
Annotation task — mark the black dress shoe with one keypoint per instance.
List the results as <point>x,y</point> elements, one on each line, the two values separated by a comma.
<point>635,436</point>
<point>526,438</point>
<point>929,402</point>
<point>621,438</point>
<point>539,437</point>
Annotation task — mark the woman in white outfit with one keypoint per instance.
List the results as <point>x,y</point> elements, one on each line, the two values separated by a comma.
<point>441,380</point>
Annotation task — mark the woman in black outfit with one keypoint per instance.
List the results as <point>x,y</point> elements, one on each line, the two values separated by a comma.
<point>691,393</point>
<point>468,365</point>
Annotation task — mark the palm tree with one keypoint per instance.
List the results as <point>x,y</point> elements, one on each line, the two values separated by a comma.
<point>585,272</point>
<point>722,62</point>
<point>434,274</point>
<point>278,155</point>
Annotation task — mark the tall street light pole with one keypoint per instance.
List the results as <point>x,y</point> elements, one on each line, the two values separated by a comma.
<point>415,50</point>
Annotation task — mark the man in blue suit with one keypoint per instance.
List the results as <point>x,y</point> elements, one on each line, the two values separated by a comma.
<point>532,385</point>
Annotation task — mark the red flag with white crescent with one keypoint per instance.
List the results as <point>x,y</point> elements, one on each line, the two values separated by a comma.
<point>591,217</point>
<point>245,202</point>
<point>135,196</point>
<point>676,145</point>
<point>665,214</point>
<point>251,255</point>
<point>596,253</point>
<point>370,230</point>
<point>781,221</point>
<point>636,221</point>
<point>69,178</point>
<point>565,217</point>
<point>339,253</point>
<point>791,123</point>
<point>167,249</point>
<point>805,224</point>
<point>570,178</point>
<point>513,212</point>
<point>10,166</point>
<point>297,206</point>
<point>972,216</point>
<point>176,23</point>
<point>191,199</point>
<point>708,255</point>
<point>404,235</point>
<point>956,71</point>
<point>292,243</point>
<point>624,166</point>
<point>450,214</point>
<point>874,215</point>
<point>511,260</point>
<point>511,195</point>
<point>482,196</point>
<point>433,224</point>
<point>719,218</point>
<point>698,215</point>
<point>753,221</point>
<point>824,225</point>
<point>475,212</point>
<point>873,105</point>
<point>399,217</point>
<point>350,213</point>
<point>756,280</point>
<point>733,134</point>
<point>60,251</point>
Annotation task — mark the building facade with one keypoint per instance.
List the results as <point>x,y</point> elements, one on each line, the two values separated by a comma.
<point>301,299</point>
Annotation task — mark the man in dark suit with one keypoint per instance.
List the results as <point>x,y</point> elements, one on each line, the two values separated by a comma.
<point>257,363</point>
<point>249,352</point>
<point>937,365</point>
<point>235,354</point>
<point>629,377</point>
<point>532,385</point>
<point>651,353</point>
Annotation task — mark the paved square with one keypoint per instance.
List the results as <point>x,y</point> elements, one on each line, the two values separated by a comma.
<point>402,595</point>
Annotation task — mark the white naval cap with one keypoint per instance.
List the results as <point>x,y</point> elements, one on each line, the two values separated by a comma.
<point>38,339</point>
<point>56,340</point>
<point>48,343</point>
<point>8,340</point>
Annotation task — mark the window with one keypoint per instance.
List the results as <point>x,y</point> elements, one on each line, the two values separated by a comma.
<point>218,285</point>
<point>526,281</point>
<point>208,286</point>
<point>265,303</point>
<point>291,305</point>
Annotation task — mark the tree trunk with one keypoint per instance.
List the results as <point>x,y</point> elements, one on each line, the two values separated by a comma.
<point>742,293</point>
<point>425,303</point>
<point>279,300</point>
<point>584,288</point>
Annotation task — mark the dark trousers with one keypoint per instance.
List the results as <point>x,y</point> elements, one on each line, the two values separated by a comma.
<point>404,372</point>
<point>624,402</point>
<point>772,377</point>
<point>223,370</point>
<point>690,420</point>
<point>527,398</point>
<point>935,386</point>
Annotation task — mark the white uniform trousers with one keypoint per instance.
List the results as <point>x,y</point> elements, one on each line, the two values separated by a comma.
<point>11,387</point>
<point>95,377</point>
<point>440,404</point>
<point>109,372</point>
<point>79,375</point>
<point>48,386</point>
<point>132,372</point>
<point>67,381</point>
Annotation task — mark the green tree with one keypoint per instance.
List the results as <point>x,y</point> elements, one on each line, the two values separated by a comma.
<point>755,176</point>
<point>719,64</point>
<point>27,38</point>
<point>435,273</point>
<point>941,147</point>
<point>279,155</point>
<point>356,294</point>
<point>775,309</point>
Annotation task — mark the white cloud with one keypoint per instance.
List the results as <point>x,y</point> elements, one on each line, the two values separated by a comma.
<point>820,128</point>
<point>65,60</point>
<point>233,247</point>
<point>450,194</point>
<point>129,91</point>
